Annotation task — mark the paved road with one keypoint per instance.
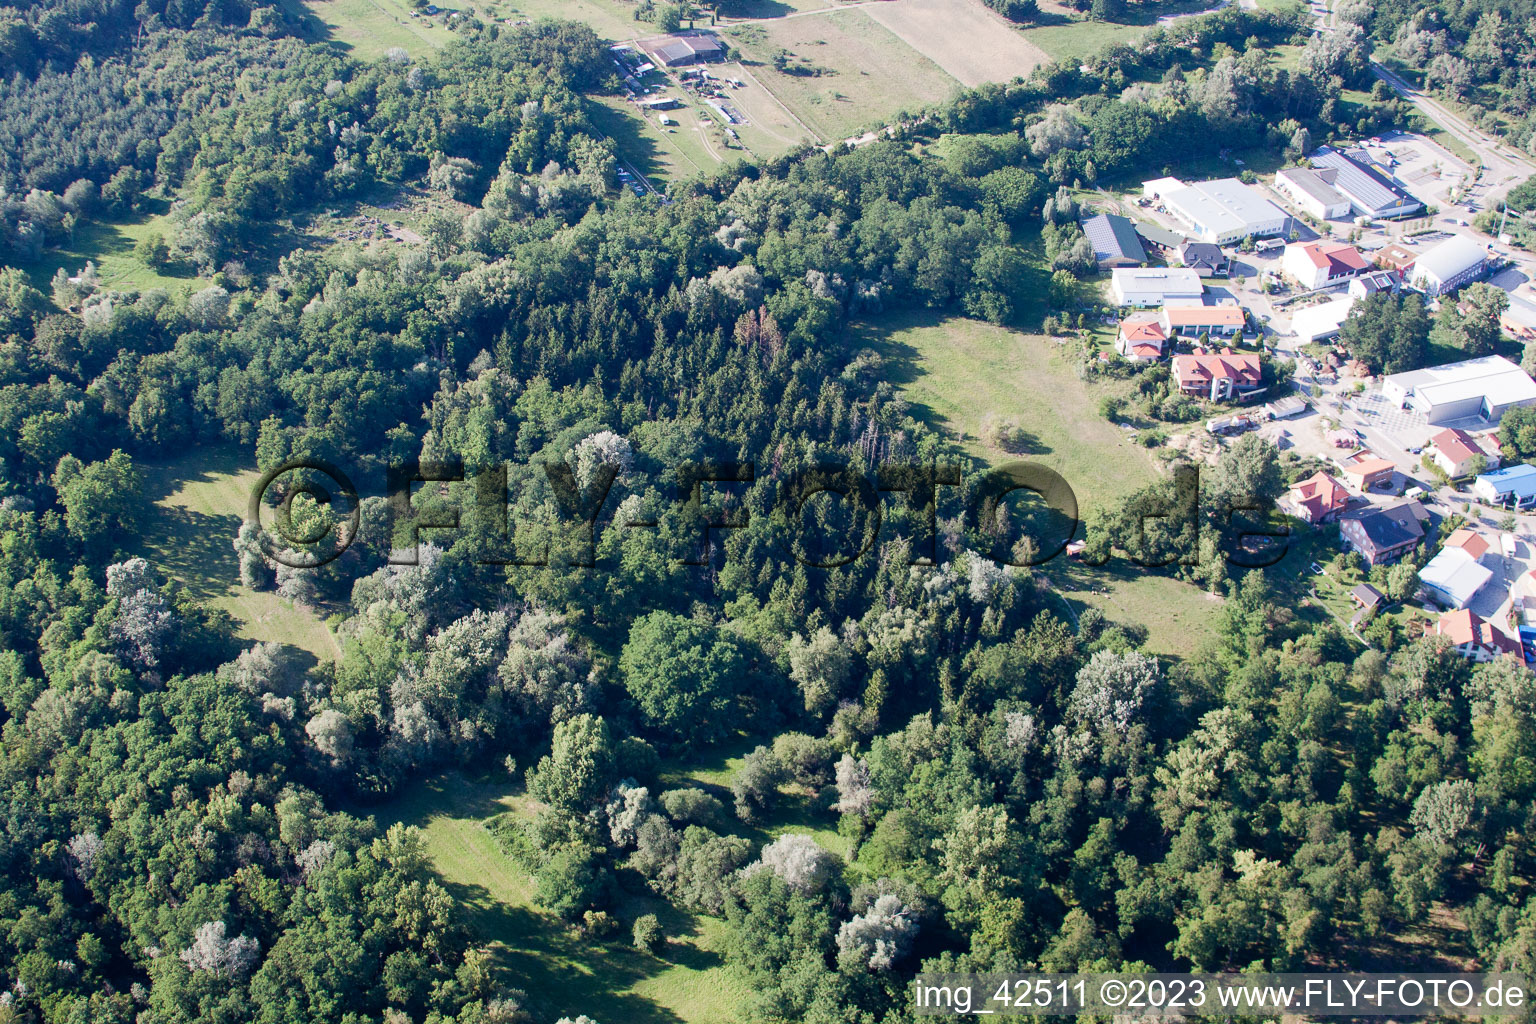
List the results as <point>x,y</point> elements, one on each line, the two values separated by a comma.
<point>1503,166</point>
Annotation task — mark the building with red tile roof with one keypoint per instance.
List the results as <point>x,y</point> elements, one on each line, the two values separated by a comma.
<point>1323,262</point>
<point>1316,499</point>
<point>1219,376</point>
<point>1141,338</point>
<point>1474,637</point>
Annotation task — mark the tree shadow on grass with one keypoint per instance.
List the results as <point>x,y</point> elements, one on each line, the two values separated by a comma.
<point>563,973</point>
<point>627,131</point>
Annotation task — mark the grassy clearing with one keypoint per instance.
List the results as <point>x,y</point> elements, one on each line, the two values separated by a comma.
<point>609,18</point>
<point>1070,42</point>
<point>656,153</point>
<point>867,73</point>
<point>110,247</point>
<point>197,504</point>
<point>562,973</point>
<point>371,28</point>
<point>957,372</point>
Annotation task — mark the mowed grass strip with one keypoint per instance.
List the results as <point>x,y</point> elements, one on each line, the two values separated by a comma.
<point>195,507</point>
<point>564,973</point>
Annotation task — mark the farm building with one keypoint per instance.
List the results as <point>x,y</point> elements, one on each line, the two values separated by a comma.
<point>1371,191</point>
<point>1514,485</point>
<point>692,47</point>
<point>1226,210</point>
<point>1154,286</point>
<point>1114,241</point>
<point>1160,239</point>
<point>1285,408</point>
<point>1448,266</point>
<point>1482,387</point>
<point>1219,376</point>
<point>1316,323</point>
<point>1322,263</point>
<point>1313,191</point>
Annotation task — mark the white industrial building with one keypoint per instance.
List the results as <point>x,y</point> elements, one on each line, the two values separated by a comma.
<point>1316,323</point>
<point>1225,211</point>
<point>1482,387</point>
<point>1154,286</point>
<point>1453,577</point>
<point>1313,191</point>
<point>1371,191</point>
<point>1448,266</point>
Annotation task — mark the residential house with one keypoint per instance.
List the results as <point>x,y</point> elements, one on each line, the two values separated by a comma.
<point>1474,637</point>
<point>1384,534</point>
<point>1362,471</point>
<point>1514,485</point>
<point>1470,541</point>
<point>1317,499</point>
<point>1204,258</point>
<point>1191,321</point>
<point>1322,263</point>
<point>1369,284</point>
<point>1396,257</point>
<point>1456,452</point>
<point>1218,376</point>
<point>1141,338</point>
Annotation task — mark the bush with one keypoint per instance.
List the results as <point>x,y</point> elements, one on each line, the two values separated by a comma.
<point>692,807</point>
<point>647,934</point>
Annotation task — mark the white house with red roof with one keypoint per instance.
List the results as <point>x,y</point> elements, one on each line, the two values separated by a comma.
<point>1474,637</point>
<point>1454,450</point>
<point>1219,376</point>
<point>1141,338</point>
<point>1323,262</point>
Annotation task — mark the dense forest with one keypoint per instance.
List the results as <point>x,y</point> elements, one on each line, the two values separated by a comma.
<point>185,831</point>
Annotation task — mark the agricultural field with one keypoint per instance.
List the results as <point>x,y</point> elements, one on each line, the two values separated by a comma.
<point>964,38</point>
<point>196,505</point>
<point>852,71</point>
